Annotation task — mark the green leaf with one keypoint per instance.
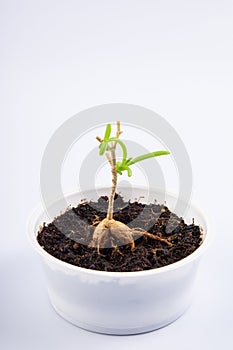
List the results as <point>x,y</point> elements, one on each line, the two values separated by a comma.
<point>125,163</point>
<point>128,161</point>
<point>107,132</point>
<point>103,147</point>
<point>123,146</point>
<point>122,166</point>
<point>147,156</point>
<point>119,168</point>
<point>129,172</point>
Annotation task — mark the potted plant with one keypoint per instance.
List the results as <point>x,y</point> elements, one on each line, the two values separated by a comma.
<point>122,271</point>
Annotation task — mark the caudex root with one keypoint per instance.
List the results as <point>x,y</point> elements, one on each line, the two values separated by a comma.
<point>110,233</point>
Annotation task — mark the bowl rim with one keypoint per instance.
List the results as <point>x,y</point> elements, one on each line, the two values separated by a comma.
<point>38,211</point>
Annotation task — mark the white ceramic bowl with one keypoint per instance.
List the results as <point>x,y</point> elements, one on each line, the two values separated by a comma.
<point>120,302</point>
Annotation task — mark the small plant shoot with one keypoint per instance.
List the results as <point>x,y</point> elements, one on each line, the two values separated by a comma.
<point>110,233</point>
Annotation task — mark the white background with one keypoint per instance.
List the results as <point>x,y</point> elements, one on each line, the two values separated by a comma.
<point>60,57</point>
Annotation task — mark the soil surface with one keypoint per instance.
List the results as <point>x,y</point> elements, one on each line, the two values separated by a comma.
<point>68,236</point>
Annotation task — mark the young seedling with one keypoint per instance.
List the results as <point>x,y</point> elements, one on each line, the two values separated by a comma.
<point>110,233</point>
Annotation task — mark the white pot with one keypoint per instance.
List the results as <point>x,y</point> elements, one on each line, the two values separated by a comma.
<point>120,302</point>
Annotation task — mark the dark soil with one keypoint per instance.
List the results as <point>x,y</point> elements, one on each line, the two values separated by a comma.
<point>68,236</point>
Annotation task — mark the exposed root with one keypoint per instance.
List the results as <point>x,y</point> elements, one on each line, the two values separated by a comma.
<point>157,238</point>
<point>113,234</point>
